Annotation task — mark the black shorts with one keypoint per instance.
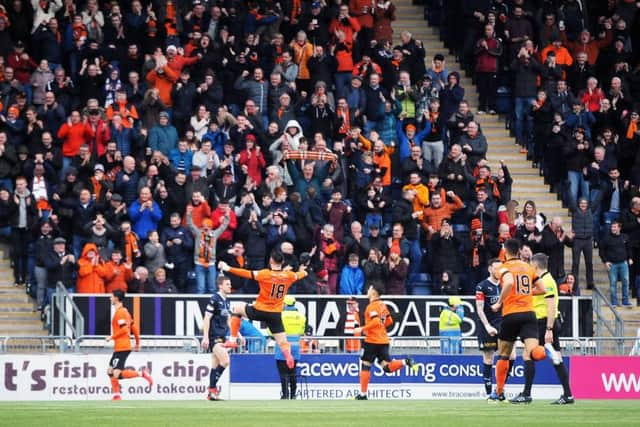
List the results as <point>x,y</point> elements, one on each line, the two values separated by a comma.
<point>371,352</point>
<point>215,340</point>
<point>542,330</point>
<point>523,325</point>
<point>272,320</point>
<point>119,359</point>
<point>488,342</point>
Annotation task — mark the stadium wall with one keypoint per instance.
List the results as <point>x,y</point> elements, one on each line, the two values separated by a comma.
<point>182,315</point>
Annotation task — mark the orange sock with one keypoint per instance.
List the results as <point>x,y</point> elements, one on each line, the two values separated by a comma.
<point>235,325</point>
<point>502,369</point>
<point>115,385</point>
<point>129,373</point>
<point>365,376</point>
<point>394,365</point>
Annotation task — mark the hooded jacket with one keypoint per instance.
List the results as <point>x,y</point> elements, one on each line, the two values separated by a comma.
<point>90,277</point>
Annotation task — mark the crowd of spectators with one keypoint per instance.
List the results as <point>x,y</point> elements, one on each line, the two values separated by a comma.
<point>143,141</point>
<point>567,75</point>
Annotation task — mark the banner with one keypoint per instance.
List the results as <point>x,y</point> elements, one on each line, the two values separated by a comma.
<point>337,377</point>
<point>84,377</point>
<point>182,315</point>
<point>186,377</point>
<point>605,377</point>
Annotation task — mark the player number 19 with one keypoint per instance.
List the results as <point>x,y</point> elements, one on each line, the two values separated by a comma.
<point>523,285</point>
<point>277,291</point>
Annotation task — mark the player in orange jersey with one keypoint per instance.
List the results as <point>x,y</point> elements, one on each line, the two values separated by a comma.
<point>122,327</point>
<point>518,282</point>
<point>274,282</point>
<point>377,319</point>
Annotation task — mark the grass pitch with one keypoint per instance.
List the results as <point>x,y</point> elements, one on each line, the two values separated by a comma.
<point>370,413</point>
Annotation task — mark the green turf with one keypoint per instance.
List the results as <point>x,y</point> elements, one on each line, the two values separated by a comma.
<point>371,413</point>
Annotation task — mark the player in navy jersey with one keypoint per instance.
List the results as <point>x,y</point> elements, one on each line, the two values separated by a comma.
<point>215,331</point>
<point>487,294</point>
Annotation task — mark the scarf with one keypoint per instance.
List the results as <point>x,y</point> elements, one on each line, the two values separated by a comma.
<point>130,245</point>
<point>279,55</point>
<point>205,248</point>
<point>632,129</point>
<point>295,9</point>
<point>395,247</point>
<point>502,255</point>
<point>475,261</point>
<point>97,188</point>
<point>310,155</point>
<point>346,121</point>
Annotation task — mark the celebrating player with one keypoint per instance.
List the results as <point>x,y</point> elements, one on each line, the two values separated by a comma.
<point>376,342</point>
<point>546,306</point>
<point>215,331</point>
<point>122,327</point>
<point>274,284</point>
<point>489,291</point>
<point>518,319</point>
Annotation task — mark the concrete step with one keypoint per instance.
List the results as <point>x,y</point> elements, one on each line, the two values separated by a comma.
<point>23,332</point>
<point>19,316</point>
<point>6,307</point>
<point>11,299</point>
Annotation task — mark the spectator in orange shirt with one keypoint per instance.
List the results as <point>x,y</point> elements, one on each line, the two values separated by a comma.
<point>346,23</point>
<point>127,110</point>
<point>439,210</point>
<point>162,77</point>
<point>586,44</point>
<point>302,52</point>
<point>563,57</point>
<point>201,209</point>
<point>381,155</point>
<point>73,134</point>
<point>116,273</point>
<point>176,59</point>
<point>421,201</point>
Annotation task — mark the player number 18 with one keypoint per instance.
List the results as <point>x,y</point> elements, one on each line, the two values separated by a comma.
<point>277,291</point>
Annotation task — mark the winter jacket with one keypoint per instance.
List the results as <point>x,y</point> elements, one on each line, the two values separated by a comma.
<point>146,220</point>
<point>90,277</point>
<point>351,281</point>
<point>181,253</point>
<point>154,257</point>
<point>256,91</point>
<point>164,83</point>
<point>526,77</point>
<point>163,139</point>
<point>614,248</point>
<point>582,224</point>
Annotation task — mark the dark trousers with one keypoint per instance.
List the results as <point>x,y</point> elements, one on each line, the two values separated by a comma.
<point>179,274</point>
<point>20,251</point>
<point>582,246</point>
<point>486,83</point>
<point>288,380</point>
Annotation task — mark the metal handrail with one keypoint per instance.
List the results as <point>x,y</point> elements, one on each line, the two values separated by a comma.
<point>193,341</point>
<point>64,300</point>
<point>618,328</point>
<point>65,341</point>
